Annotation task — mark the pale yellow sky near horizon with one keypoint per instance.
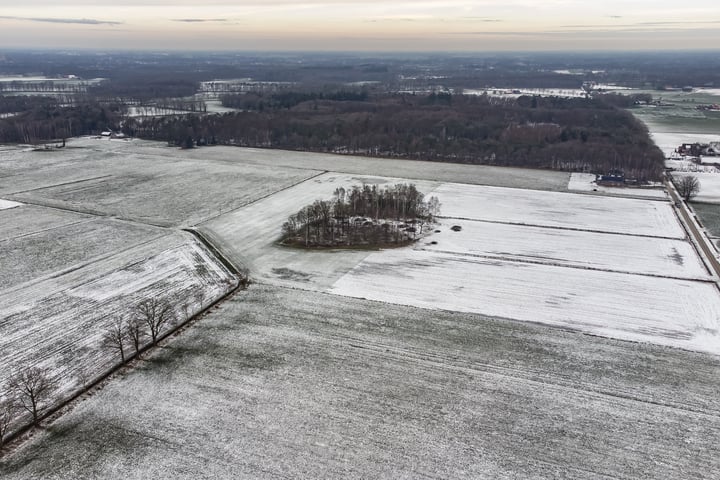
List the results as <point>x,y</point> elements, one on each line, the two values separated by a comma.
<point>326,25</point>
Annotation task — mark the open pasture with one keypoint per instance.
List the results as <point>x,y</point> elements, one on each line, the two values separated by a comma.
<point>282,383</point>
<point>561,210</point>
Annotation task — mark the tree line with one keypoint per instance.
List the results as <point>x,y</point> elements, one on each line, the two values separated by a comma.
<point>565,134</point>
<point>362,215</point>
<point>580,134</point>
<point>32,391</point>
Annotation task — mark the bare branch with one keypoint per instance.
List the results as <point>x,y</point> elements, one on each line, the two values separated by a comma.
<point>32,389</point>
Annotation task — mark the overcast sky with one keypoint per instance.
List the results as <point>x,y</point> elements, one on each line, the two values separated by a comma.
<point>381,25</point>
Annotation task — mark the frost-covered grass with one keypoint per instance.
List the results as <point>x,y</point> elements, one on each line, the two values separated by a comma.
<point>149,184</point>
<point>58,321</point>
<point>552,246</point>
<point>38,241</point>
<point>678,313</point>
<point>585,182</point>
<point>562,210</point>
<point>282,383</point>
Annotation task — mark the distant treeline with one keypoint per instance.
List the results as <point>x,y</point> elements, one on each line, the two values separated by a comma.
<point>255,101</point>
<point>42,119</point>
<point>543,132</point>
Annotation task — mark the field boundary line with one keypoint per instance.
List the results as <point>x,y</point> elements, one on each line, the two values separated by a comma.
<point>556,227</point>
<point>252,202</point>
<point>561,265</point>
<point>62,184</point>
<point>15,438</point>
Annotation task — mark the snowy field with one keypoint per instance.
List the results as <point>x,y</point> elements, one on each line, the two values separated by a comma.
<point>159,189</point>
<point>585,182</point>
<point>249,235</point>
<point>561,210</point>
<point>552,246</point>
<point>670,312</point>
<point>58,321</point>
<point>281,383</point>
<point>38,241</point>
<point>5,204</point>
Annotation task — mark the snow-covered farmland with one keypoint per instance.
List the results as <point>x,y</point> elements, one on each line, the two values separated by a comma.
<point>562,210</point>
<point>585,182</point>
<point>671,312</point>
<point>150,186</point>
<point>58,321</point>
<point>5,204</point>
<point>282,383</point>
<point>554,246</point>
<point>39,241</point>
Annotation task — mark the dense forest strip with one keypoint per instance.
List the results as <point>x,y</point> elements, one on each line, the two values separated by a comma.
<point>579,134</point>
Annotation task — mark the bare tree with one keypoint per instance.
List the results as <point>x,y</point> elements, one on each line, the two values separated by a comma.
<point>135,332</point>
<point>32,389</point>
<point>200,297</point>
<point>8,410</point>
<point>155,314</point>
<point>115,337</point>
<point>687,186</point>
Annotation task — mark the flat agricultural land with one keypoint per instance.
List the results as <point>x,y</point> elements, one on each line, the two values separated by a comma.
<point>58,321</point>
<point>282,383</point>
<point>611,266</point>
<point>441,359</point>
<point>561,210</point>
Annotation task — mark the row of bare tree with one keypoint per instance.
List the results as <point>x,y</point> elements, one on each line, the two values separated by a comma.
<point>32,390</point>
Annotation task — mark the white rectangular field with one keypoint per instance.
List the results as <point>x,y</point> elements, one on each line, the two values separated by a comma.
<point>553,246</point>
<point>562,210</point>
<point>678,313</point>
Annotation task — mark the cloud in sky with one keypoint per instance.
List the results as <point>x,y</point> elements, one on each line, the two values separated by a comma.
<point>361,24</point>
<point>200,20</point>
<point>76,21</point>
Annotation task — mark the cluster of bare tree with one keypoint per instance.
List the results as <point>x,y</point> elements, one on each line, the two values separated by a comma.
<point>362,215</point>
<point>149,318</point>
